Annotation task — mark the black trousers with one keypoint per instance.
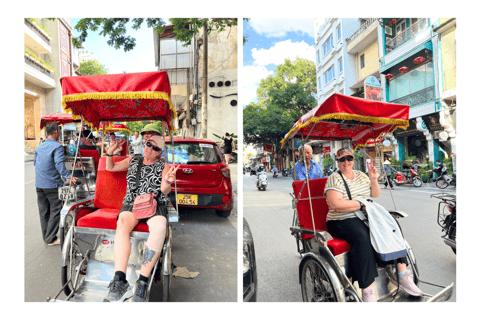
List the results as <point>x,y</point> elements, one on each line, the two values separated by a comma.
<point>389,181</point>
<point>364,259</point>
<point>49,207</point>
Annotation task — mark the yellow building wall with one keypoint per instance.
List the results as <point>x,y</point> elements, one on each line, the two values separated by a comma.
<point>449,64</point>
<point>34,109</point>
<point>372,64</point>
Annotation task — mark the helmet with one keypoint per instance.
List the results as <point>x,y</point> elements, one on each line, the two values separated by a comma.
<point>150,127</point>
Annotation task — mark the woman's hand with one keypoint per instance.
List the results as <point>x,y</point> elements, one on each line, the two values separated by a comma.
<point>171,174</point>
<point>372,171</point>
<point>114,145</point>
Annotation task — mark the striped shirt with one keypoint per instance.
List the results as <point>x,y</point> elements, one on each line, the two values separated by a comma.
<point>359,188</point>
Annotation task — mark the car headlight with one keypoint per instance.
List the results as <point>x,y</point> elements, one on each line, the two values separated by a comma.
<point>246,257</point>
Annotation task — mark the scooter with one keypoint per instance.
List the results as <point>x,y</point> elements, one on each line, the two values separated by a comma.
<point>262,181</point>
<point>401,178</point>
<point>285,173</point>
<point>447,218</point>
<point>446,180</point>
<point>275,174</point>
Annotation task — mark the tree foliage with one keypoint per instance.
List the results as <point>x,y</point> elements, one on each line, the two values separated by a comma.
<point>282,98</point>
<point>116,29</point>
<point>92,67</point>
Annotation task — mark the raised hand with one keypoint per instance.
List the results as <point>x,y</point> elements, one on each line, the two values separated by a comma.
<point>171,173</point>
<point>372,171</point>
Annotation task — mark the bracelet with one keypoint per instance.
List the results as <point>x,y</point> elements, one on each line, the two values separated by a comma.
<point>108,155</point>
<point>166,181</point>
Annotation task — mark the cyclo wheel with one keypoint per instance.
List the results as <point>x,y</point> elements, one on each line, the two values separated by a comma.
<point>317,286</point>
<point>64,230</point>
<point>69,272</point>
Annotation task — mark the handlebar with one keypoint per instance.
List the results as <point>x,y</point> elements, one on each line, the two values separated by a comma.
<point>445,197</point>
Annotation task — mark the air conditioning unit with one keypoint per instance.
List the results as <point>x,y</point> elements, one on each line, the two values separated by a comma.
<point>388,31</point>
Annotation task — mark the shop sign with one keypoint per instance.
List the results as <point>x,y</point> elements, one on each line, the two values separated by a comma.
<point>372,89</point>
<point>325,149</point>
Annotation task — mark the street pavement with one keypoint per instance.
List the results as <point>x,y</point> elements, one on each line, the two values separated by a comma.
<point>202,242</point>
<point>270,215</point>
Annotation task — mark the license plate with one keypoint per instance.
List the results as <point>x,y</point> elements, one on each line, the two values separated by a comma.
<point>188,199</point>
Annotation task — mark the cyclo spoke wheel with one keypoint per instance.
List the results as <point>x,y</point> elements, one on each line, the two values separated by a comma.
<point>317,286</point>
<point>64,230</point>
<point>69,272</point>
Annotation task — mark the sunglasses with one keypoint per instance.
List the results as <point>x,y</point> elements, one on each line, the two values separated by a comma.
<point>155,148</point>
<point>349,158</point>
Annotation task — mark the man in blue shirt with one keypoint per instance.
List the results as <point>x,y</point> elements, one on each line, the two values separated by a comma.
<point>314,170</point>
<point>48,162</point>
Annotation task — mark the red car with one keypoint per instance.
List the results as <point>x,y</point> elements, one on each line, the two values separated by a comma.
<point>203,179</point>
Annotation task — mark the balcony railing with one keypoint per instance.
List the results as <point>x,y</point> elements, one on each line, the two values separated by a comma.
<point>406,35</point>
<point>37,66</point>
<point>37,31</point>
<point>362,28</point>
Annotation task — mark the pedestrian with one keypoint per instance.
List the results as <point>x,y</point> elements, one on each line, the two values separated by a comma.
<point>388,171</point>
<point>305,161</point>
<point>118,151</point>
<point>41,140</point>
<point>229,146</point>
<point>49,168</point>
<point>137,145</point>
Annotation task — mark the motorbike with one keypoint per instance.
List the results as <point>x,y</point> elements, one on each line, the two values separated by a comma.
<point>447,218</point>
<point>88,225</point>
<point>402,178</point>
<point>325,260</point>
<point>253,172</point>
<point>329,171</point>
<point>262,182</point>
<point>285,173</point>
<point>446,180</point>
<point>275,174</point>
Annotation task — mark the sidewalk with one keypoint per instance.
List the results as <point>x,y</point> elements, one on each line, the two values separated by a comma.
<point>29,157</point>
<point>234,176</point>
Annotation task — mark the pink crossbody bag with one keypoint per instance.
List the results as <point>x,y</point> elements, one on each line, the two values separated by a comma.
<point>144,205</point>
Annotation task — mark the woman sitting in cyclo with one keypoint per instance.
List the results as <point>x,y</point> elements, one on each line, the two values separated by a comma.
<point>155,178</point>
<point>343,223</point>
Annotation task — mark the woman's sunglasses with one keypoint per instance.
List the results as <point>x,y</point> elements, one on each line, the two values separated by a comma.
<point>155,148</point>
<point>349,158</point>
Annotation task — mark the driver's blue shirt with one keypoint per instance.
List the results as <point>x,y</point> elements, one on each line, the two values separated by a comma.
<point>315,171</point>
<point>48,162</point>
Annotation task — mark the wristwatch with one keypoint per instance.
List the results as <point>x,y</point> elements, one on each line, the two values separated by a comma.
<point>362,206</point>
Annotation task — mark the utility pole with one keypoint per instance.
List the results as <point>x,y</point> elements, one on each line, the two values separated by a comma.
<point>187,120</point>
<point>204,82</point>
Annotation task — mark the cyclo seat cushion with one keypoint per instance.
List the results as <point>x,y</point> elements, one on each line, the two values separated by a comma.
<point>110,190</point>
<point>320,211</point>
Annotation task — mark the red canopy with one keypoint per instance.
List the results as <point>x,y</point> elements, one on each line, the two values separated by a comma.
<point>119,97</point>
<point>343,117</point>
<point>114,127</point>
<point>58,118</point>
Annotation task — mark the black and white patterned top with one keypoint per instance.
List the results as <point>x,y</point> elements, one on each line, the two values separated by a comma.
<point>150,181</point>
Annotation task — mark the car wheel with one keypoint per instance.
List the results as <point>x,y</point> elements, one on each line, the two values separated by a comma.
<point>223,213</point>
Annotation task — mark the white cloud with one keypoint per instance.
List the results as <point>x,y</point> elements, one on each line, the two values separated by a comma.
<point>277,28</point>
<point>282,50</point>
<point>251,76</point>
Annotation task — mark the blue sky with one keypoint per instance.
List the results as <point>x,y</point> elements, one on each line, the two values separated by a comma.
<point>140,59</point>
<point>269,42</point>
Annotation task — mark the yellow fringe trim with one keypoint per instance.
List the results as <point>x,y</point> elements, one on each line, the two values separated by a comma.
<point>117,95</point>
<point>345,116</point>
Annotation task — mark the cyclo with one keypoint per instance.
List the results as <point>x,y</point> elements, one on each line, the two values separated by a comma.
<point>326,260</point>
<point>89,224</point>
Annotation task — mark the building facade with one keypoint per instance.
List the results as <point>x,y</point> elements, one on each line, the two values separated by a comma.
<point>185,66</point>
<point>336,68</point>
<point>48,57</point>
<point>410,68</point>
